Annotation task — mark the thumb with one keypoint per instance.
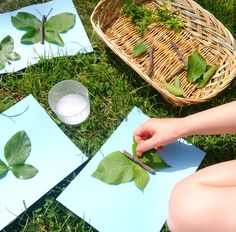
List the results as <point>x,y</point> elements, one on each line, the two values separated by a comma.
<point>146,145</point>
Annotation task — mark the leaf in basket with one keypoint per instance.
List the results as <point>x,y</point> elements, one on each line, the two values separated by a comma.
<point>207,75</point>
<point>196,66</point>
<point>139,48</point>
<point>174,89</point>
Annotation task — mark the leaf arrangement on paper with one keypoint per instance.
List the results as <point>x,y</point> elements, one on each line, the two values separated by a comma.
<point>6,52</point>
<point>116,168</point>
<point>45,29</point>
<point>16,151</point>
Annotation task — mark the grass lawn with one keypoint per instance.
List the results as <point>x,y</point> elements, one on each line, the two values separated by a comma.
<point>114,90</point>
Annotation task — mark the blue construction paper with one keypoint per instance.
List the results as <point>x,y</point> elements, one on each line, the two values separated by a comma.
<point>124,207</point>
<point>76,39</point>
<point>52,153</point>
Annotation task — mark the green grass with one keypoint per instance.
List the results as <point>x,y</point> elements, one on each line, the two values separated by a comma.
<point>114,90</point>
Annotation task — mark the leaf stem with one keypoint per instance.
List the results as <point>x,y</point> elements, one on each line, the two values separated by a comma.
<point>150,65</point>
<point>137,161</point>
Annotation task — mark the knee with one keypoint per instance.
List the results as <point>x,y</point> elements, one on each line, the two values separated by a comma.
<point>184,207</point>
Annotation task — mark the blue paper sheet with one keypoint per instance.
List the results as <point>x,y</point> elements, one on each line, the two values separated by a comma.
<point>124,207</point>
<point>52,153</point>
<point>75,39</point>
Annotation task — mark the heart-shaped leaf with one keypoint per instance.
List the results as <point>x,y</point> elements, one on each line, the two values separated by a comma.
<point>23,171</point>
<point>3,168</point>
<point>17,149</point>
<point>196,66</point>
<point>115,168</point>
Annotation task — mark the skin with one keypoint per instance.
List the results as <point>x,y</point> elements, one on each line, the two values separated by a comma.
<point>204,201</point>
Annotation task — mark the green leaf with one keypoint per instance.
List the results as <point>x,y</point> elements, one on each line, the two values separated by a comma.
<point>7,45</point>
<point>25,21</point>
<point>115,168</point>
<point>173,89</point>
<point>2,62</point>
<point>13,56</point>
<point>54,37</point>
<point>23,171</point>
<point>60,23</point>
<point>17,149</point>
<point>151,158</point>
<point>207,76</point>
<point>32,36</point>
<point>134,147</point>
<point>196,66</point>
<point>139,49</point>
<point>3,168</point>
<point>141,177</point>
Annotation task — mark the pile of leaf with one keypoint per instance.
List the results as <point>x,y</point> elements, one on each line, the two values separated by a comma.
<point>142,17</point>
<point>198,71</point>
<point>116,168</point>
<point>16,151</point>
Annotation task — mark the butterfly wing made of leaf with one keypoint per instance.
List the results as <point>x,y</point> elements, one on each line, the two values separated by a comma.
<point>7,45</point>
<point>54,37</point>
<point>60,23</point>
<point>24,171</point>
<point>3,168</point>
<point>115,168</point>
<point>2,61</point>
<point>31,37</point>
<point>13,56</point>
<point>141,177</point>
<point>25,21</point>
<point>18,148</point>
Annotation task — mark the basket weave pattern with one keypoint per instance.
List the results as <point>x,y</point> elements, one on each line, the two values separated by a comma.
<point>202,30</point>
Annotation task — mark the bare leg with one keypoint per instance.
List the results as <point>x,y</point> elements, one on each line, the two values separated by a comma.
<point>205,201</point>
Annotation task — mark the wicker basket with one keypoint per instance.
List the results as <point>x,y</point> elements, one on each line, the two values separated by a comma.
<point>202,30</point>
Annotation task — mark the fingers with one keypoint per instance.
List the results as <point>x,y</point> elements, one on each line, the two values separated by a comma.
<point>146,145</point>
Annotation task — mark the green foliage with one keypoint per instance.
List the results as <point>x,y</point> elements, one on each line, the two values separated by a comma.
<point>35,29</point>
<point>16,151</point>
<point>6,52</point>
<point>139,48</point>
<point>139,15</point>
<point>169,19</point>
<point>174,89</point>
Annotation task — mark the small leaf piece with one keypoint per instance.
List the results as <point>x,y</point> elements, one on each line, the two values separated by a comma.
<point>139,49</point>
<point>3,168</point>
<point>23,171</point>
<point>196,66</point>
<point>32,36</point>
<point>141,177</point>
<point>18,148</point>
<point>173,89</point>
<point>207,76</point>
<point>60,23</point>
<point>151,158</point>
<point>115,168</point>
